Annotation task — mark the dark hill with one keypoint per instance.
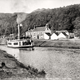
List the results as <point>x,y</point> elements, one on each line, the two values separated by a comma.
<point>63,18</point>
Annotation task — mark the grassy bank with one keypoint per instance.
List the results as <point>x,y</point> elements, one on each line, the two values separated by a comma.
<point>10,68</point>
<point>58,43</point>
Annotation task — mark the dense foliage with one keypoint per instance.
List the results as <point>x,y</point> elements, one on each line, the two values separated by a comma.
<point>7,23</point>
<point>63,18</point>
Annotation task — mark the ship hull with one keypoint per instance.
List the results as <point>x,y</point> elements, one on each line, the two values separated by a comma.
<point>19,44</point>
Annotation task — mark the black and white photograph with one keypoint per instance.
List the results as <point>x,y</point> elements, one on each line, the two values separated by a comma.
<point>39,39</point>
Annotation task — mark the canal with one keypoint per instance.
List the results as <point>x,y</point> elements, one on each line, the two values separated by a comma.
<point>57,62</point>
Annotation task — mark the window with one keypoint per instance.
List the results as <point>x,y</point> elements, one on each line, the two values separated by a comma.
<point>27,43</point>
<point>35,33</point>
<point>15,43</point>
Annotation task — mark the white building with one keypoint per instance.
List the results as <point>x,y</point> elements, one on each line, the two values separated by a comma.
<point>54,36</point>
<point>39,32</point>
<point>62,35</point>
<point>47,35</point>
<point>65,31</point>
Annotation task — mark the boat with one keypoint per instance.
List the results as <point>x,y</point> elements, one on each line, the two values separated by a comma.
<point>24,43</point>
<point>20,43</point>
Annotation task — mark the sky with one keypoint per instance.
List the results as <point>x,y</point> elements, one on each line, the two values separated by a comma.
<point>27,6</point>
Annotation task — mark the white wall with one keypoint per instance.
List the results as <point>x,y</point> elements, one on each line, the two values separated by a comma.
<point>54,36</point>
<point>46,36</point>
<point>61,35</point>
<point>28,33</point>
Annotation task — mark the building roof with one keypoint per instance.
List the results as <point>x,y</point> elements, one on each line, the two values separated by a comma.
<point>71,34</point>
<point>48,34</point>
<point>39,29</point>
<point>64,33</point>
<point>57,33</point>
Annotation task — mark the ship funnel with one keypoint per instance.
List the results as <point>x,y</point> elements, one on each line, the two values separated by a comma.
<point>19,25</point>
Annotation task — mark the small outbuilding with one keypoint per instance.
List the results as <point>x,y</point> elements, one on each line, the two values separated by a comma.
<point>54,36</point>
<point>62,35</point>
<point>71,36</point>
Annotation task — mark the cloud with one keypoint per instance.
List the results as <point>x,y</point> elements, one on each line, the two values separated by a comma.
<point>30,5</point>
<point>4,6</point>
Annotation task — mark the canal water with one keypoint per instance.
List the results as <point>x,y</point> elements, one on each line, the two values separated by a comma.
<point>57,62</point>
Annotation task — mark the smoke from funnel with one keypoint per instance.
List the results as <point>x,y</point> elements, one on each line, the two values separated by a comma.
<point>19,6</point>
<point>21,17</point>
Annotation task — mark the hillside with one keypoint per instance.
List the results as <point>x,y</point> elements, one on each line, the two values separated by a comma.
<point>7,21</point>
<point>63,18</point>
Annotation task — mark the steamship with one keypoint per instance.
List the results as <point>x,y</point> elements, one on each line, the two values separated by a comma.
<point>20,43</point>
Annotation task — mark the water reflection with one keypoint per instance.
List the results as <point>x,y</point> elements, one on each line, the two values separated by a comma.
<point>59,63</point>
<point>34,58</point>
<point>13,52</point>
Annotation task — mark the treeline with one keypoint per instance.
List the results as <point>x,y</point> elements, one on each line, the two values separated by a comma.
<point>63,18</point>
<point>7,24</point>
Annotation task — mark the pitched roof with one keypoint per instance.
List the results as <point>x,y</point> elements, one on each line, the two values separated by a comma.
<point>39,29</point>
<point>57,33</point>
<point>48,34</point>
<point>64,33</point>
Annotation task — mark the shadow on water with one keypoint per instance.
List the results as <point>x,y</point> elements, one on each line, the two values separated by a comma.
<point>27,49</point>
